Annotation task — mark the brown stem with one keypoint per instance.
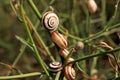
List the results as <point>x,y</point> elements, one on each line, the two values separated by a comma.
<point>36,38</point>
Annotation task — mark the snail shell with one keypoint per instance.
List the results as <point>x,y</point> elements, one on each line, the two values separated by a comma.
<point>69,73</point>
<point>92,6</point>
<point>50,21</point>
<point>59,39</point>
<point>64,53</point>
<point>79,46</point>
<point>70,59</point>
<point>55,66</point>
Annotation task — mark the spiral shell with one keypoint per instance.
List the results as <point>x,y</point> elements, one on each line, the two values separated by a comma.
<point>69,73</point>
<point>55,66</point>
<point>50,21</point>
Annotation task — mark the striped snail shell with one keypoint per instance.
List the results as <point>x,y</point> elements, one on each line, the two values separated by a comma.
<point>50,21</point>
<point>64,53</point>
<point>69,73</point>
<point>55,66</point>
<point>59,39</point>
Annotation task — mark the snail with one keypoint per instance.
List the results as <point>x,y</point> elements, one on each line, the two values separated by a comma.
<point>50,21</point>
<point>79,46</point>
<point>92,6</point>
<point>55,66</point>
<point>64,53</point>
<point>59,39</point>
<point>69,71</point>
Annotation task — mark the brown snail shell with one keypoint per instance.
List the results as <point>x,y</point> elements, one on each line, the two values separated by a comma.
<point>50,21</point>
<point>55,66</point>
<point>79,46</point>
<point>92,6</point>
<point>59,39</point>
<point>69,73</point>
<point>64,53</point>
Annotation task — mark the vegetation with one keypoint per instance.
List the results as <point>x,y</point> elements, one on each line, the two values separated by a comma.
<point>27,48</point>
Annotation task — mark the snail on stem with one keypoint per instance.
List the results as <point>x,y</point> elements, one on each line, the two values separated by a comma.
<point>55,66</point>
<point>50,21</point>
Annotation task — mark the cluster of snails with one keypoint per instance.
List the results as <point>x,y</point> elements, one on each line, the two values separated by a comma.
<point>50,21</point>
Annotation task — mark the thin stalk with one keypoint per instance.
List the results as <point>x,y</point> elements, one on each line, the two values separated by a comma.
<point>13,7</point>
<point>22,49</point>
<point>80,69</point>
<point>58,75</point>
<point>103,14</point>
<point>37,36</point>
<point>35,9</point>
<point>15,10</point>
<point>70,53</point>
<point>71,36</point>
<point>114,26</point>
<point>40,61</point>
<point>113,17</point>
<point>87,24</point>
<point>93,55</point>
<point>10,67</point>
<point>106,26</point>
<point>20,76</point>
<point>93,65</point>
<point>3,64</point>
<point>97,35</point>
<point>73,20</point>
<point>39,40</point>
<point>52,1</point>
<point>48,7</point>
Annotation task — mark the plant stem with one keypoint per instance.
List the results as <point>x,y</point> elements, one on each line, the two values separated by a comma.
<point>20,76</point>
<point>58,75</point>
<point>72,17</point>
<point>19,55</point>
<point>52,1</point>
<point>72,36</point>
<point>88,29</point>
<point>40,61</point>
<point>13,7</point>
<point>114,26</point>
<point>36,34</point>
<point>97,35</point>
<point>39,40</point>
<point>105,27</point>
<point>32,5</point>
<point>113,16</point>
<point>93,55</point>
<point>22,49</point>
<point>103,14</point>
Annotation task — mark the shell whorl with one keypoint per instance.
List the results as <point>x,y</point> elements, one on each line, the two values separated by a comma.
<point>69,73</point>
<point>55,66</point>
<point>50,21</point>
